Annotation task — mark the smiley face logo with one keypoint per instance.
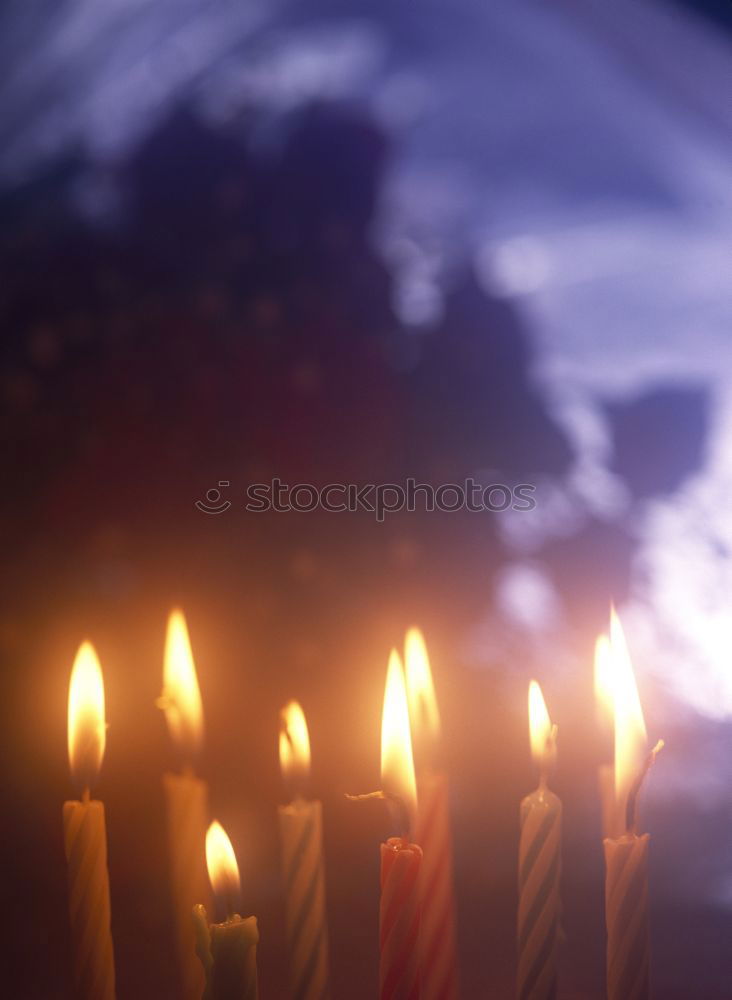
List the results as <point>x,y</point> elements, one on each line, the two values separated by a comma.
<point>214,503</point>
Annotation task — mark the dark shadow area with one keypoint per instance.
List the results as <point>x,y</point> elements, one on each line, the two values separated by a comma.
<point>232,323</point>
<point>659,438</point>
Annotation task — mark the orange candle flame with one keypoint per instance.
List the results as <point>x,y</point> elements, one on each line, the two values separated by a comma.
<point>87,733</point>
<point>541,732</point>
<point>397,762</point>
<point>630,727</point>
<point>294,744</point>
<point>423,711</point>
<point>223,871</point>
<point>181,698</point>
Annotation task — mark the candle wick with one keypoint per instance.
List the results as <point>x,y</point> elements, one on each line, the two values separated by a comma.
<point>364,796</point>
<point>231,899</point>
<point>297,785</point>
<point>399,815</point>
<point>296,781</point>
<point>631,809</point>
<point>548,758</point>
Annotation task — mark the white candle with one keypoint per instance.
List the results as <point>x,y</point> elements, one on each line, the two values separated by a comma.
<point>227,950</point>
<point>186,798</point>
<point>85,836</point>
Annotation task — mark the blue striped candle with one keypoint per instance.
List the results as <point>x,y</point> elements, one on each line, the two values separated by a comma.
<point>301,838</point>
<point>301,834</point>
<point>626,915</point>
<point>539,902</point>
<point>539,867</point>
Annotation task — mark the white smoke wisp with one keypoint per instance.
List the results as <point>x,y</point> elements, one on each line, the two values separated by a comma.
<point>681,610</point>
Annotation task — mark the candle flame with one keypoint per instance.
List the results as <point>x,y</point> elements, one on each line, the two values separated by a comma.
<point>630,727</point>
<point>181,698</point>
<point>604,698</point>
<point>223,871</point>
<point>423,712</point>
<point>540,727</point>
<point>86,724</point>
<point>397,763</point>
<point>294,743</point>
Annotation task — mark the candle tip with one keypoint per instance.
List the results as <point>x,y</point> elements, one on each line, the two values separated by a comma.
<point>631,819</point>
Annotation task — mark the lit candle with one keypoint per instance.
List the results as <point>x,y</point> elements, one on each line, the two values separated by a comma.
<point>626,856</point>
<point>605,721</point>
<point>399,912</point>
<point>85,836</point>
<point>186,798</point>
<point>301,838</point>
<point>539,865</point>
<point>438,952</point>
<point>401,861</point>
<point>228,951</point>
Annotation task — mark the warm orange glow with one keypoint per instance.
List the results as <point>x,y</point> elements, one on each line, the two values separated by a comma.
<point>630,727</point>
<point>397,762</point>
<point>181,699</point>
<point>604,680</point>
<point>223,870</point>
<point>294,743</point>
<point>540,727</point>
<point>86,724</point>
<point>423,712</point>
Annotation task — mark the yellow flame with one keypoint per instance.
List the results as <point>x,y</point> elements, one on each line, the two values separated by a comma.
<point>423,712</point>
<point>604,679</point>
<point>86,724</point>
<point>397,762</point>
<point>540,726</point>
<point>294,742</point>
<point>181,699</point>
<point>630,727</point>
<point>223,871</point>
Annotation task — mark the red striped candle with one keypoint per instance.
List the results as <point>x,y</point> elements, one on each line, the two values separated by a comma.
<point>438,946</point>
<point>399,920</point>
<point>401,860</point>
<point>437,934</point>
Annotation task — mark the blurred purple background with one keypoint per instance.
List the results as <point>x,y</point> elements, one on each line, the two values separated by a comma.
<point>358,242</point>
